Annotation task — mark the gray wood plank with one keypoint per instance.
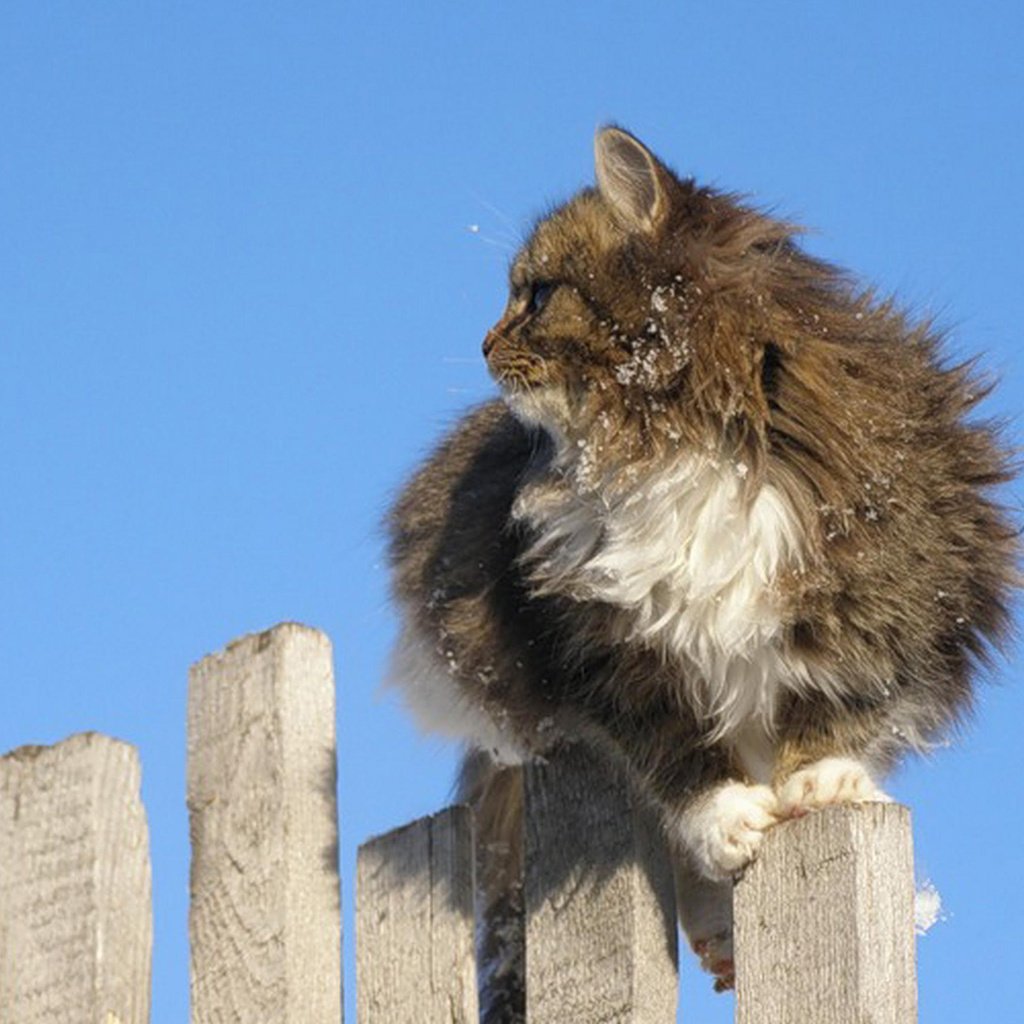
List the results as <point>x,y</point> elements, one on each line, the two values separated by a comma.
<point>265,921</point>
<point>600,899</point>
<point>415,962</point>
<point>75,912</point>
<point>825,921</point>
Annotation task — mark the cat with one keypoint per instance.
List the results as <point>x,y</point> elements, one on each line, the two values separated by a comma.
<point>728,521</point>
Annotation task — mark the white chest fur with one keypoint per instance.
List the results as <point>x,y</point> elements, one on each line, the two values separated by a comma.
<point>692,559</point>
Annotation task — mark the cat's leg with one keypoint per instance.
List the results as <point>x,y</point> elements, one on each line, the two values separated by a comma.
<point>707,809</point>
<point>705,915</point>
<point>724,825</point>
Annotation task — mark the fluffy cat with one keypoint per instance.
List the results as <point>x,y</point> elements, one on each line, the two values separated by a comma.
<point>729,522</point>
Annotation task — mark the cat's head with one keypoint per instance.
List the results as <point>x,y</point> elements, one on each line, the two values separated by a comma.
<point>641,311</point>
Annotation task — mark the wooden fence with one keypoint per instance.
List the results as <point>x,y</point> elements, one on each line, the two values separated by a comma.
<point>824,918</point>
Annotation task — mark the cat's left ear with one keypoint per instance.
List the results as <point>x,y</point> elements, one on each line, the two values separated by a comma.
<point>631,179</point>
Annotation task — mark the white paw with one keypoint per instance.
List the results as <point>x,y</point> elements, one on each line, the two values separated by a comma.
<point>832,780</point>
<point>725,828</point>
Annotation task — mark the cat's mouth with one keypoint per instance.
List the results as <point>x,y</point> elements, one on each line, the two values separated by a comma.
<point>516,379</point>
<point>515,371</point>
<point>513,366</point>
<point>526,382</point>
<point>534,401</point>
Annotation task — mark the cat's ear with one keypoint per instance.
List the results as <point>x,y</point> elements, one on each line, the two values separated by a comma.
<point>631,179</point>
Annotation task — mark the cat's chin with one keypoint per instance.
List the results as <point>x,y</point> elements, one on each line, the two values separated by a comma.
<point>541,408</point>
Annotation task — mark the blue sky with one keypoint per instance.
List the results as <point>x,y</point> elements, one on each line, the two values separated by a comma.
<point>247,256</point>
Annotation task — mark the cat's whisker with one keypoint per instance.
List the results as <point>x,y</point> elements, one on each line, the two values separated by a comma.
<point>515,232</point>
<point>494,242</point>
<point>512,241</point>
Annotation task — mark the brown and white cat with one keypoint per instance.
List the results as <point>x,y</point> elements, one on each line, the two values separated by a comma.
<point>728,521</point>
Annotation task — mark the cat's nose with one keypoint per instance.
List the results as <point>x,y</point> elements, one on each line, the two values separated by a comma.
<point>489,342</point>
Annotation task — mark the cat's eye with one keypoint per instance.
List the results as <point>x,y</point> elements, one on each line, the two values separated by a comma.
<point>539,295</point>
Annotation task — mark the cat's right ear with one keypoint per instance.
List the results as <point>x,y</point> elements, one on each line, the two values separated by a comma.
<point>631,179</point>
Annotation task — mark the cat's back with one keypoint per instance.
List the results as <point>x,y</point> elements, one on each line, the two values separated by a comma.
<point>448,528</point>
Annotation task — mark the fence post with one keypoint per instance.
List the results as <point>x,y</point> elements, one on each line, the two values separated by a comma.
<point>600,898</point>
<point>76,928</point>
<point>415,962</point>
<point>825,921</point>
<point>265,916</point>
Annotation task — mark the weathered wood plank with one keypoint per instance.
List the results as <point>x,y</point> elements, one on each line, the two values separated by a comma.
<point>600,899</point>
<point>415,962</point>
<point>75,913</point>
<point>265,916</point>
<point>825,921</point>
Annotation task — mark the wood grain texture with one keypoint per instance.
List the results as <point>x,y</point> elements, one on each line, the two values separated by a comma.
<point>76,929</point>
<point>600,899</point>
<point>415,961</point>
<point>825,921</point>
<point>265,920</point>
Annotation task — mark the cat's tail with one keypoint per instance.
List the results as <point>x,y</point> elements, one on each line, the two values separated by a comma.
<point>496,794</point>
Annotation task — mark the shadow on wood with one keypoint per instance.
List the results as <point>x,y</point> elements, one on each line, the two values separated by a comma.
<point>599,929</point>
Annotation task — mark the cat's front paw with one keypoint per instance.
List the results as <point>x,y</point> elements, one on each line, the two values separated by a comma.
<point>724,829</point>
<point>832,780</point>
